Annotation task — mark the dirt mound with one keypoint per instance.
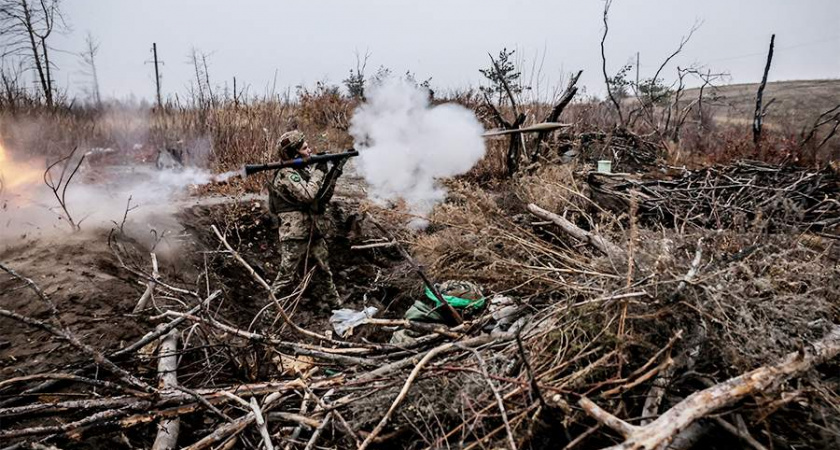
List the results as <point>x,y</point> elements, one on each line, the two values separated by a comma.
<point>92,294</point>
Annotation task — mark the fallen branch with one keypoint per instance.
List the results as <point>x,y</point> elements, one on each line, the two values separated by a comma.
<point>261,426</point>
<point>140,343</point>
<point>97,356</point>
<point>740,432</point>
<point>374,245</point>
<point>606,247</point>
<point>176,404</point>
<point>415,325</point>
<point>235,427</point>
<point>414,373</point>
<point>298,348</point>
<point>499,400</point>
<point>66,377</point>
<point>167,436</point>
<point>664,429</point>
<point>150,287</point>
<point>72,427</point>
<point>317,433</point>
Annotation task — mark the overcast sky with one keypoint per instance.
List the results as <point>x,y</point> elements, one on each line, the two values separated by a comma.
<point>306,41</point>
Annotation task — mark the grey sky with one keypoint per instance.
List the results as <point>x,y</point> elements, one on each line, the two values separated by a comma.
<point>307,41</point>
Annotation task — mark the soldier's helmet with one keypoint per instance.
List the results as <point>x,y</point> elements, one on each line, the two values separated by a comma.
<point>460,288</point>
<point>289,144</point>
<point>464,296</point>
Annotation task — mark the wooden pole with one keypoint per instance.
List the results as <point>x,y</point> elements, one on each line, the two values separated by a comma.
<point>157,75</point>
<point>759,111</point>
<point>637,70</point>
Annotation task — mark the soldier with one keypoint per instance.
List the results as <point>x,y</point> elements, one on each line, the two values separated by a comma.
<point>298,197</point>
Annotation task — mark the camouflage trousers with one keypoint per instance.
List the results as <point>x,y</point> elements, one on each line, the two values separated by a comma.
<point>293,254</point>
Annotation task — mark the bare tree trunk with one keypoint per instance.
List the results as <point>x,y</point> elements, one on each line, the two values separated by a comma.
<point>89,58</point>
<point>617,105</point>
<point>36,55</point>
<point>48,89</point>
<point>759,111</point>
<point>554,115</point>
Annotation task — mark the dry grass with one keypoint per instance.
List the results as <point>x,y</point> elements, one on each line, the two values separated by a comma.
<point>756,297</point>
<point>594,325</point>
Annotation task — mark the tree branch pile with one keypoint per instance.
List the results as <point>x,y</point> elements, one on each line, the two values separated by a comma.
<point>743,195</point>
<point>600,331</point>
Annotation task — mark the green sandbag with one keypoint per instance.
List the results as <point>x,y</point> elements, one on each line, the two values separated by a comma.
<point>423,311</point>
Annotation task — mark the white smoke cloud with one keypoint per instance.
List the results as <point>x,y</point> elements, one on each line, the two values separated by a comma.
<point>98,197</point>
<point>406,144</point>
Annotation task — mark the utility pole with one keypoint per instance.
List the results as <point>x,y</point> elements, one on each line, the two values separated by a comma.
<point>157,74</point>
<point>637,70</point>
<point>235,99</point>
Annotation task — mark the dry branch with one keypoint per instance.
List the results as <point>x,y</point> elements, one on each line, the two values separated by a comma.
<point>140,343</point>
<point>664,429</point>
<point>150,287</point>
<point>554,115</point>
<point>63,332</point>
<point>606,247</point>
<point>167,436</point>
<point>312,440</point>
<point>227,430</point>
<point>413,375</point>
<point>483,366</point>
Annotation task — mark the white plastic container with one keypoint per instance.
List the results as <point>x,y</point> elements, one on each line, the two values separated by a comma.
<point>604,166</point>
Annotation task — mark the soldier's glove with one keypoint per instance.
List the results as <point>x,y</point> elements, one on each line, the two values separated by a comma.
<point>325,194</point>
<point>339,165</point>
<point>322,166</point>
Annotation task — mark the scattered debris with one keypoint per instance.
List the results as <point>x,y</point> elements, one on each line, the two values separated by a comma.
<point>701,308</point>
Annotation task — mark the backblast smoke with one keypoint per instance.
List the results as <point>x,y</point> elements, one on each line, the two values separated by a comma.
<point>406,145</point>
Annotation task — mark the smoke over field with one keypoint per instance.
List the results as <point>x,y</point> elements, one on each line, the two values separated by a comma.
<point>95,196</point>
<point>406,144</point>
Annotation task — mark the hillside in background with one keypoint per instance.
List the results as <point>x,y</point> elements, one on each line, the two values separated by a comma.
<point>797,103</point>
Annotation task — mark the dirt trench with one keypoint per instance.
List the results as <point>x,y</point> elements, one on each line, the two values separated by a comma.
<point>82,274</point>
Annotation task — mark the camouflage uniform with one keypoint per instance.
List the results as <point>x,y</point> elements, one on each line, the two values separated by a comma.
<point>296,197</point>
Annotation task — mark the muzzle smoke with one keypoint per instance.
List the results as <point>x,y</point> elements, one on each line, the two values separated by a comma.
<point>406,145</point>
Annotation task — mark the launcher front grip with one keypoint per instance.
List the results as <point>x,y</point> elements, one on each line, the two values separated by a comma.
<point>251,169</point>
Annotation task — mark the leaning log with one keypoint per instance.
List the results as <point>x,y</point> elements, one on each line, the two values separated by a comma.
<point>599,242</point>
<point>659,433</point>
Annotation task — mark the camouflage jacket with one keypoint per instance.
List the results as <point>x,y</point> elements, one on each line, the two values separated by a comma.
<point>295,189</point>
<point>293,198</point>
